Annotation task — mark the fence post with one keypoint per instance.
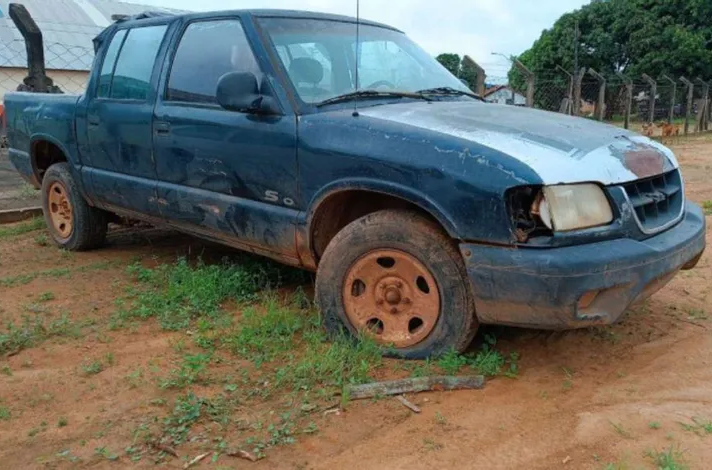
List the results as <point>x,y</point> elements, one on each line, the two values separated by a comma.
<point>530,77</point>
<point>653,93</point>
<point>601,103</point>
<point>690,96</point>
<point>673,97</point>
<point>481,75</point>
<point>567,108</point>
<point>577,90</point>
<point>628,98</point>
<point>702,123</point>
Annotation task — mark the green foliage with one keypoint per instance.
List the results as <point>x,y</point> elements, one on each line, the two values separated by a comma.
<point>630,36</point>
<point>22,228</point>
<point>670,459</point>
<point>450,62</point>
<point>331,364</point>
<point>460,68</point>
<point>179,293</point>
<point>707,205</point>
<point>191,370</point>
<point>33,331</point>
<point>488,361</point>
<point>264,336</point>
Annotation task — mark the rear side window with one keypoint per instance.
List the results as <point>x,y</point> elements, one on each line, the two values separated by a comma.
<point>207,51</point>
<point>107,69</point>
<point>134,67</point>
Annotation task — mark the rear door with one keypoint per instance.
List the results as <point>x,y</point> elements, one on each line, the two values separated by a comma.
<point>119,122</point>
<point>223,174</point>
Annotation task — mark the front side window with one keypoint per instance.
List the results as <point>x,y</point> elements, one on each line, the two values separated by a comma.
<point>207,51</point>
<point>134,67</point>
<point>320,59</point>
<point>107,68</point>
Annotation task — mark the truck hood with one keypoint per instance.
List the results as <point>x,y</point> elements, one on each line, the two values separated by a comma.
<point>559,148</point>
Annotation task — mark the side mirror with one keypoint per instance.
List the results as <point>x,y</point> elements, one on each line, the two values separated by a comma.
<point>238,91</point>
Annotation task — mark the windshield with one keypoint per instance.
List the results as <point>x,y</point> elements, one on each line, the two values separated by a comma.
<point>318,56</point>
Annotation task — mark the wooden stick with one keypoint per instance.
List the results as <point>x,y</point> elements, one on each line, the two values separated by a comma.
<point>196,460</point>
<point>414,385</point>
<point>411,406</point>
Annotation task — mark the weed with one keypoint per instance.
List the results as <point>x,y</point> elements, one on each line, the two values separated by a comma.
<point>707,205</point>
<point>192,370</point>
<point>62,422</point>
<point>700,426</point>
<point>488,361</point>
<point>440,419</point>
<point>26,278</point>
<point>620,430</point>
<point>697,314</point>
<point>187,411</point>
<point>334,364</point>
<point>105,453</point>
<point>6,370</point>
<point>22,228</point>
<point>45,297</point>
<point>568,382</point>
<point>5,414</point>
<point>430,445</point>
<point>654,425</point>
<point>93,367</point>
<point>42,240</point>
<point>421,369</point>
<point>179,293</point>
<point>135,377</point>
<point>670,459</point>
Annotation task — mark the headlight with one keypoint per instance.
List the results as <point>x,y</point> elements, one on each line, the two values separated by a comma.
<point>573,207</point>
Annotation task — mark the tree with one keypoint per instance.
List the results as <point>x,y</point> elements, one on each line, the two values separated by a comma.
<point>460,68</point>
<point>451,62</point>
<point>629,36</point>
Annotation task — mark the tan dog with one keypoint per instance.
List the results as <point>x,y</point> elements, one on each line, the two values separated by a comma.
<point>648,129</point>
<point>669,130</point>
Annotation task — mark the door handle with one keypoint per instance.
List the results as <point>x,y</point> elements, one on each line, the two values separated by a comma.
<point>93,121</point>
<point>162,128</point>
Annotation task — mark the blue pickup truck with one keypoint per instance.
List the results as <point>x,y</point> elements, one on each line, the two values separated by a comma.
<point>424,210</point>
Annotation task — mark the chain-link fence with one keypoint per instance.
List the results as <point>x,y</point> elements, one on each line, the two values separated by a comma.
<point>68,67</point>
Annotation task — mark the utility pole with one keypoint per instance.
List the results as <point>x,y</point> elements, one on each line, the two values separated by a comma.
<point>577,36</point>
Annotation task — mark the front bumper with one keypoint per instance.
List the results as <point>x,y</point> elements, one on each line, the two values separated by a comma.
<point>583,285</point>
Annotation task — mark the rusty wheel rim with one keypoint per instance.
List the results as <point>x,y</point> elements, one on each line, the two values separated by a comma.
<point>392,296</point>
<point>60,210</point>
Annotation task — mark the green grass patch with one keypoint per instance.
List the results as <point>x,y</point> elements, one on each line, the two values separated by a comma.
<point>707,206</point>
<point>23,279</point>
<point>668,459</point>
<point>22,228</point>
<point>34,330</point>
<point>179,293</point>
<point>488,361</point>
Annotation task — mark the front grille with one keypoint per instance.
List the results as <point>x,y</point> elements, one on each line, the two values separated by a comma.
<point>657,201</point>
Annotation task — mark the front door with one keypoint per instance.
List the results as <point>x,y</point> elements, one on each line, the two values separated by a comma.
<point>227,175</point>
<point>119,123</point>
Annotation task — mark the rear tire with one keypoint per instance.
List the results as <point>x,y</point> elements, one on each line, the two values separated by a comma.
<point>73,224</point>
<point>395,276</point>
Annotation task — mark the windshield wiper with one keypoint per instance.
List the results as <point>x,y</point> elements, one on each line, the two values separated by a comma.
<point>448,91</point>
<point>372,94</point>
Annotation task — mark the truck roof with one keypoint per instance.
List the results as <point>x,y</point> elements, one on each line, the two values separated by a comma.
<point>268,13</point>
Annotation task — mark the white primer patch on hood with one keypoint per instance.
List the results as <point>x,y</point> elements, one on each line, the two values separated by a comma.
<point>559,148</point>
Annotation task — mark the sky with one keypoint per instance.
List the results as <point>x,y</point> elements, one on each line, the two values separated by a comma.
<point>474,27</point>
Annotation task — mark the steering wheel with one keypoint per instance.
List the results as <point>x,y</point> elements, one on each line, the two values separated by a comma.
<point>381,83</point>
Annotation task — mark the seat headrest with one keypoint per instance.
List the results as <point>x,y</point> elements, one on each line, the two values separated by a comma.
<point>306,70</point>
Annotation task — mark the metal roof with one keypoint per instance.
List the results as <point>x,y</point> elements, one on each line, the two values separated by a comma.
<point>68,27</point>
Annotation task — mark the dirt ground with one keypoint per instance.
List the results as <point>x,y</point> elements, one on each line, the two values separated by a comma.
<point>607,398</point>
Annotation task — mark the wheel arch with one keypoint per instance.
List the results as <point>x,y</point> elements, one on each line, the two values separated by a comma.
<point>342,202</point>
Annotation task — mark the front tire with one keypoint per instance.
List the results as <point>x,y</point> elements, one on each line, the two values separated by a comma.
<point>395,276</point>
<point>73,224</point>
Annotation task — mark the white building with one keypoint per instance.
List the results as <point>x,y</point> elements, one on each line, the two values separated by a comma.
<point>503,94</point>
<point>68,28</point>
